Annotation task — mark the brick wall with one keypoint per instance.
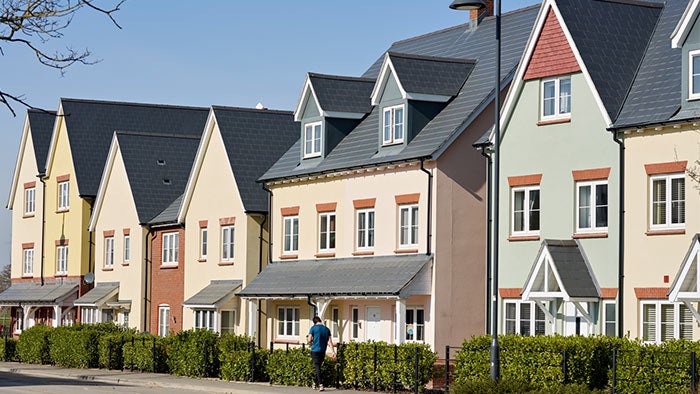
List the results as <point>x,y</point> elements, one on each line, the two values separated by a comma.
<point>167,283</point>
<point>552,54</point>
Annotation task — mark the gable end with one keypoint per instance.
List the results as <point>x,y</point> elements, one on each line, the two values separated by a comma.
<point>552,54</point>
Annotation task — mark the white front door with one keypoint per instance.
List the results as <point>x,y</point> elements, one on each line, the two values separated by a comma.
<point>574,322</point>
<point>373,320</point>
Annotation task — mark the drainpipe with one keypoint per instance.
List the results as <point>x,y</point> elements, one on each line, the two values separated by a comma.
<point>430,206</point>
<point>489,219</point>
<point>621,240</point>
<point>260,267</point>
<point>43,223</point>
<point>308,301</point>
<point>90,267</point>
<point>147,261</point>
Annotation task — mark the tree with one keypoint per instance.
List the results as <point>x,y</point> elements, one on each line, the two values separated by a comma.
<point>4,278</point>
<point>34,23</point>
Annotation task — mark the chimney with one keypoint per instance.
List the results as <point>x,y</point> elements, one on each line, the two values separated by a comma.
<point>478,14</point>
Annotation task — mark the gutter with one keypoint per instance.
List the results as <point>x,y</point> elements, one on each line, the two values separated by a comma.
<point>147,260</point>
<point>269,226</point>
<point>430,206</point>
<point>621,236</point>
<point>489,224</point>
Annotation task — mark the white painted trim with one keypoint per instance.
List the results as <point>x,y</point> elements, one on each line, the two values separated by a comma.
<point>104,181</point>
<point>18,163</point>
<point>438,98</point>
<point>54,139</point>
<point>691,55</point>
<point>557,98</point>
<point>593,206</point>
<point>392,109</point>
<point>312,125</point>
<point>543,262</point>
<point>387,67</point>
<point>675,294</point>
<point>668,178</point>
<point>680,33</point>
<point>306,90</point>
<point>343,115</point>
<point>526,210</point>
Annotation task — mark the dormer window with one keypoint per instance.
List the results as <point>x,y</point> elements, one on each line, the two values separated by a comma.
<point>312,139</point>
<point>393,121</point>
<point>556,98</point>
<point>694,75</point>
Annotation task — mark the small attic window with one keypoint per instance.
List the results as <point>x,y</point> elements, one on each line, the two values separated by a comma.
<point>694,75</point>
<point>166,181</point>
<point>161,162</point>
<point>312,139</point>
<point>393,122</point>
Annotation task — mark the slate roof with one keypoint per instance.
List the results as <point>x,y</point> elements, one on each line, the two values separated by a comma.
<point>611,37</point>
<point>158,166</point>
<point>214,292</point>
<point>573,268</point>
<point>359,148</point>
<point>342,94</point>
<point>169,214</point>
<point>358,276</point>
<point>90,125</point>
<point>254,139</point>
<point>655,95</point>
<point>98,294</point>
<point>430,74</point>
<point>41,126</point>
<point>35,293</point>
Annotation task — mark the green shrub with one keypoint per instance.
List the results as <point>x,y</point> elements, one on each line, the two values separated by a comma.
<point>33,345</point>
<point>294,367</point>
<point>110,349</point>
<point>145,352</point>
<point>393,363</point>
<point>8,349</point>
<point>235,359</point>
<point>512,386</point>
<point>73,347</point>
<point>194,353</point>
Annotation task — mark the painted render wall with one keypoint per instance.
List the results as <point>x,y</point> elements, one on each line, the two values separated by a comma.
<point>215,197</point>
<point>648,258</point>
<point>118,212</point>
<point>74,222</point>
<point>554,151</point>
<point>26,229</point>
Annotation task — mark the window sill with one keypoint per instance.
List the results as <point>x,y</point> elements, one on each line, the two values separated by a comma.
<point>326,254</point>
<point>363,253</point>
<point>125,264</point>
<point>225,263</point>
<point>28,215</point>
<point>673,231</point>
<point>405,251</point>
<point>590,235</point>
<point>518,238</point>
<point>27,276</point>
<point>168,266</point>
<point>63,210</point>
<point>289,256</point>
<point>553,121</point>
<point>61,274</point>
<point>289,340</point>
<point>201,260</point>
<point>108,269</point>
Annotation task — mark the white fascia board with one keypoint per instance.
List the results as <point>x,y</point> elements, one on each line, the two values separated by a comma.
<point>200,306</point>
<point>343,115</point>
<point>675,293</point>
<point>197,165</point>
<point>54,138</point>
<point>387,67</point>
<point>104,181</point>
<point>531,280</point>
<point>18,164</point>
<point>307,91</point>
<point>680,33</point>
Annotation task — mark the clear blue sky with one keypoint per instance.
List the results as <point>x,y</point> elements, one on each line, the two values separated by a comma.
<point>208,52</point>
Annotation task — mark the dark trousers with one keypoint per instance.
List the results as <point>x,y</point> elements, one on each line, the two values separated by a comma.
<point>317,358</point>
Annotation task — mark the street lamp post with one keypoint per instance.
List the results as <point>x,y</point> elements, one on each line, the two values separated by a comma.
<point>477,5</point>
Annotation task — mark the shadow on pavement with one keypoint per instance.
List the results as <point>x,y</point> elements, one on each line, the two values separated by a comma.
<point>8,379</point>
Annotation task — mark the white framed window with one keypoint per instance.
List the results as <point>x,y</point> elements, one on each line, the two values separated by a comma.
<point>29,200</point>
<point>127,248</point>
<point>170,248</point>
<point>365,229</point>
<point>694,74</point>
<point>393,125</point>
<point>107,316</point>
<point>28,261</point>
<point>62,260</point>
<point>415,324</point>
<point>228,321</point>
<point>525,210</point>
<point>556,98</point>
<point>203,243</point>
<point>523,318</point>
<point>88,315</point>
<point>163,320</point>
<point>63,200</point>
<point>408,225</point>
<point>205,318</point>
<point>355,318</point>
<point>125,319</point>
<point>227,233</point>
<point>592,206</point>
<point>335,322</point>
<point>19,320</point>
<point>109,252</point>
<point>663,320</point>
<point>610,318</point>
<point>312,139</point>
<point>326,231</point>
<point>291,235</point>
<point>288,321</point>
<point>667,201</point>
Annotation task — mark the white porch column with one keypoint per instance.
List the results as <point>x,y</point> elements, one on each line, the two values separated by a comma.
<point>400,321</point>
<point>252,318</point>
<point>321,306</point>
<point>26,310</point>
<point>56,315</point>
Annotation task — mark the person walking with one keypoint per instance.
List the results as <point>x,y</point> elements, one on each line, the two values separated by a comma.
<point>319,337</point>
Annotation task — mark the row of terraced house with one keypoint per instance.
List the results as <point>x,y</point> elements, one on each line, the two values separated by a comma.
<point>368,204</point>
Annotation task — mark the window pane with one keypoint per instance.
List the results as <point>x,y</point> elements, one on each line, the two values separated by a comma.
<point>370,229</point>
<point>649,322</point>
<point>584,207</point>
<point>667,315</point>
<point>659,201</point>
<point>601,210</point>
<point>295,238</point>
<point>317,138</point>
<point>696,74</point>
<point>534,210</point>
<point>361,230</point>
<point>548,99</point>
<point>398,123</point>
<point>287,234</point>
<point>387,126</point>
<point>525,319</point>
<point>404,226</point>
<point>678,200</point>
<point>565,96</point>
<point>308,140</point>
<point>686,323</point>
<point>414,225</point>
<point>518,211</point>
<point>539,321</point>
<point>323,238</point>
<point>331,235</point>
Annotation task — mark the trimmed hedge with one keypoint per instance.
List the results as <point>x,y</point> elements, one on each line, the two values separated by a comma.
<point>145,352</point>
<point>73,348</point>
<point>8,349</point>
<point>110,349</point>
<point>194,353</point>
<point>33,345</point>
<point>235,359</point>
<point>294,367</point>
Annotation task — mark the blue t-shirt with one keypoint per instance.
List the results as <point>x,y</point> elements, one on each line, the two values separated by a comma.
<point>320,334</point>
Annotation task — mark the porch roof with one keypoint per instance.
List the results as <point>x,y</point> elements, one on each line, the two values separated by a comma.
<point>372,276</point>
<point>216,292</point>
<point>35,293</point>
<point>685,284</point>
<point>101,293</point>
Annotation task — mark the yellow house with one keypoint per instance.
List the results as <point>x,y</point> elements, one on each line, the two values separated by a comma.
<point>225,216</point>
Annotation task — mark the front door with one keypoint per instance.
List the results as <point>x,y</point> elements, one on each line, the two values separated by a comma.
<point>374,317</point>
<point>574,322</point>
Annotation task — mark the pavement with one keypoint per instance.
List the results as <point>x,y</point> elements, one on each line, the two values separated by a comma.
<point>145,379</point>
